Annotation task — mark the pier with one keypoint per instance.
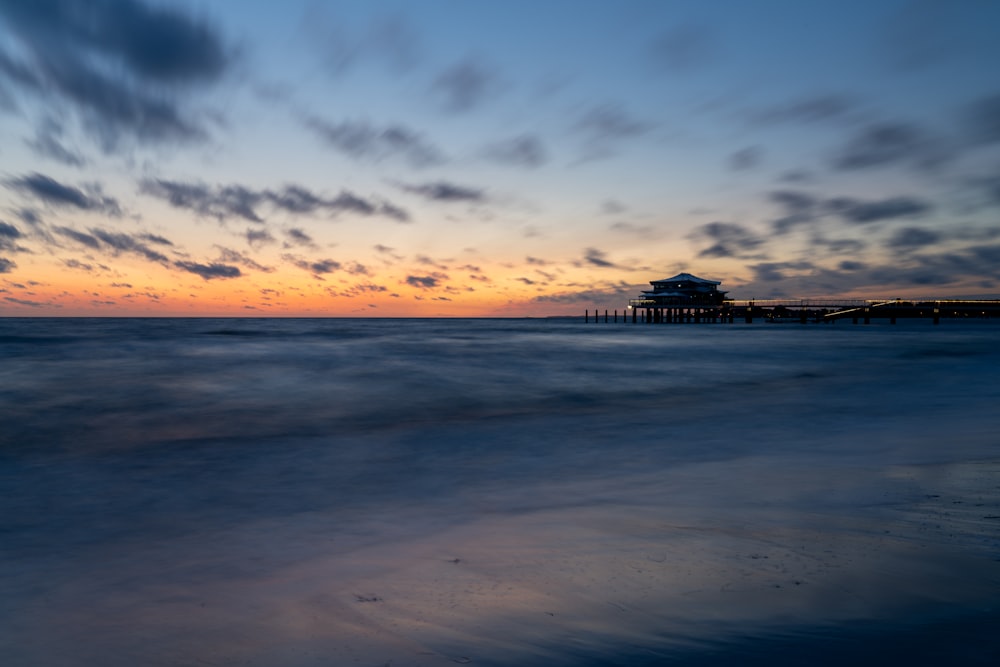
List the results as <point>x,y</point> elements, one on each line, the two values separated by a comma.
<point>685,298</point>
<point>803,311</point>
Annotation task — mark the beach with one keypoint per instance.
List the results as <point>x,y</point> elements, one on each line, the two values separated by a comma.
<point>498,492</point>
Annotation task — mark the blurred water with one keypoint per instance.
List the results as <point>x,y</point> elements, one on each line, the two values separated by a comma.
<point>146,464</point>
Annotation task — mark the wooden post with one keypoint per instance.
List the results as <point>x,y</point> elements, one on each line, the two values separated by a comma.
<point>749,313</point>
<point>586,316</point>
<point>605,315</point>
<point>634,314</point>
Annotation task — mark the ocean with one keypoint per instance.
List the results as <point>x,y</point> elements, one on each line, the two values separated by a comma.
<point>526,492</point>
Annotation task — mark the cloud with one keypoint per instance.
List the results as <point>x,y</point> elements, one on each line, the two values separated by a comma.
<point>6,265</point>
<point>209,271</point>
<point>746,158</point>
<point>24,302</point>
<point>79,237</point>
<point>426,282</point>
<point>47,144</point>
<point>115,242</point>
<point>983,120</point>
<point>610,122</point>
<point>8,234</point>
<point>799,207</point>
<point>466,85</point>
<point>727,239</point>
<point>361,140</point>
<point>907,238</point>
<point>296,236</point>
<point>522,151</point>
<point>609,291</point>
<point>682,48</point>
<point>613,207</point>
<point>258,237</point>
<point>598,258</point>
<point>115,63</point>
<point>774,271</point>
<point>222,202</point>
<point>888,144</point>
<point>389,40</point>
<point>808,110</point>
<point>120,242</point>
<point>315,267</point>
<point>77,264</point>
<point>54,193</point>
<point>863,212</point>
<point>448,192</point>
<point>229,256</point>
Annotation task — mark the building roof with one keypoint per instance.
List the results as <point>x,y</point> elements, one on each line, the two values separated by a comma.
<point>687,277</point>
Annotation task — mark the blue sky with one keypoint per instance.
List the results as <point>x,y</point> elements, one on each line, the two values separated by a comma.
<point>473,158</point>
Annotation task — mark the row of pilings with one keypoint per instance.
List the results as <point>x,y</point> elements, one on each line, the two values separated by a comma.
<point>670,315</point>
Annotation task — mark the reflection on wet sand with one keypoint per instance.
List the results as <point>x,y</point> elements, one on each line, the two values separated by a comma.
<point>654,570</point>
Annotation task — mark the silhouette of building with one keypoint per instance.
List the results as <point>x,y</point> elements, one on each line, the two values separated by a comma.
<point>681,290</point>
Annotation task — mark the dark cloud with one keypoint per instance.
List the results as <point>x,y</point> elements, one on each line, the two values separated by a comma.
<point>9,231</point>
<point>228,201</point>
<point>79,237</point>
<point>298,237</point>
<point>426,282</point>
<point>154,238</point>
<point>77,264</point>
<point>797,176</point>
<point>6,265</point>
<point>864,212</point>
<point>746,158</point>
<point>54,193</point>
<point>442,191</point>
<point>610,122</point>
<point>209,271</point>
<point>851,265</point>
<point>907,238</point>
<point>324,266</point>
<point>727,239</point>
<point>29,216</point>
<point>598,258</point>
<point>983,120</point>
<point>360,140</point>
<point>590,295</point>
<point>888,144</point>
<point>808,110</point>
<point>466,85</point>
<point>799,208</point>
<point>229,256</point>
<point>24,302</point>
<point>258,237</point>
<point>119,63</point>
<point>682,48</point>
<point>522,151</point>
<point>774,271</point>
<point>115,242</point>
<point>47,143</point>
<point>120,242</point>
<point>315,267</point>
<point>839,246</point>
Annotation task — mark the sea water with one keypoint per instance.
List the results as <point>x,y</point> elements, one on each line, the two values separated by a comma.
<point>497,492</point>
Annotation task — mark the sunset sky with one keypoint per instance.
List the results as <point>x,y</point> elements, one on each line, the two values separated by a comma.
<point>472,158</point>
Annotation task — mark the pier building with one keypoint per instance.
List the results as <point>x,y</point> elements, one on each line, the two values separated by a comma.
<point>680,298</point>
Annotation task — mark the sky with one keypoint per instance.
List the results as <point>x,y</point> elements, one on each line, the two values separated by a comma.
<point>468,158</point>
